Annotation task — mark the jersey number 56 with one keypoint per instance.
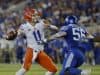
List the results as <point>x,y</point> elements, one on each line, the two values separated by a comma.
<point>78,33</point>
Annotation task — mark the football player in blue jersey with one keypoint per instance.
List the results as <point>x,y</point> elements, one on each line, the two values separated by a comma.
<point>73,34</point>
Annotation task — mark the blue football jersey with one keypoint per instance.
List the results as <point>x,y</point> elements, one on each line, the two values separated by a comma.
<point>75,34</point>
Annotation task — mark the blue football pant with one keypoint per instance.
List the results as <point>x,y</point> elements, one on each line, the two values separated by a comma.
<point>72,61</point>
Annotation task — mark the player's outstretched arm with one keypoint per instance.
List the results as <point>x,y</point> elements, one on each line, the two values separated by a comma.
<point>47,23</point>
<point>57,35</point>
<point>54,27</point>
<point>95,38</point>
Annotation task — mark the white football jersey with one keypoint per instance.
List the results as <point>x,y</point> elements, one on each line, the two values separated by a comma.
<point>34,35</point>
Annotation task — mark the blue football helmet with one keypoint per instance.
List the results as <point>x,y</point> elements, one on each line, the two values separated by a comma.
<point>71,20</point>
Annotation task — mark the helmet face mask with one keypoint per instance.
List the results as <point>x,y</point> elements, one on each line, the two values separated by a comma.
<point>35,17</point>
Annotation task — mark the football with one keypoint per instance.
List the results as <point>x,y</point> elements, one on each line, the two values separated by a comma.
<point>11,35</point>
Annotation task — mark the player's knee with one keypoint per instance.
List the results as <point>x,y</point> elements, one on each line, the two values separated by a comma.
<point>27,67</point>
<point>53,69</point>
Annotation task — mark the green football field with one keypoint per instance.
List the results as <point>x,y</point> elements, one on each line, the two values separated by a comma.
<point>10,69</point>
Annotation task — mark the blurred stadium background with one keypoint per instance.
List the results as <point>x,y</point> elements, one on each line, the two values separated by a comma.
<point>12,52</point>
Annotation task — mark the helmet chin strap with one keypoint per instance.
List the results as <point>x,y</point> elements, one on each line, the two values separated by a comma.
<point>35,19</point>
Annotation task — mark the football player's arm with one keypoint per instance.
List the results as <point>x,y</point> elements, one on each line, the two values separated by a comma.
<point>13,34</point>
<point>57,35</point>
<point>47,23</point>
<point>94,38</point>
<point>20,31</point>
<point>61,33</point>
<point>89,36</point>
<point>54,27</point>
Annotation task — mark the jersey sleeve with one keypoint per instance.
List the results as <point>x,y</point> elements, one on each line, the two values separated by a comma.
<point>53,27</point>
<point>39,25</point>
<point>64,28</point>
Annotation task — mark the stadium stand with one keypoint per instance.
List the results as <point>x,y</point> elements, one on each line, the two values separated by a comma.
<point>55,10</point>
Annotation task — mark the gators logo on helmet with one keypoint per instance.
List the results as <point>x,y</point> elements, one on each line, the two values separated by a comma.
<point>29,12</point>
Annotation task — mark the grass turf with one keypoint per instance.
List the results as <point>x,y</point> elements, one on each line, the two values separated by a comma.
<point>10,69</point>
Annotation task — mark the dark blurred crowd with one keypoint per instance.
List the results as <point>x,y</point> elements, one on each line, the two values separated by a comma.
<point>55,10</point>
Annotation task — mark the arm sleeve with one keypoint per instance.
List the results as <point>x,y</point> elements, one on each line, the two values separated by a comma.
<point>61,33</point>
<point>53,27</point>
<point>20,30</point>
<point>64,28</point>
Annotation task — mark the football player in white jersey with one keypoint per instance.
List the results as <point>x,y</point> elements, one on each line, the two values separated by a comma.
<point>34,32</point>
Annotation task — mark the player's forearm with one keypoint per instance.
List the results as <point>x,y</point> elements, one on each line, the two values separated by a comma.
<point>47,23</point>
<point>54,27</point>
<point>94,38</point>
<point>89,36</point>
<point>57,35</point>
